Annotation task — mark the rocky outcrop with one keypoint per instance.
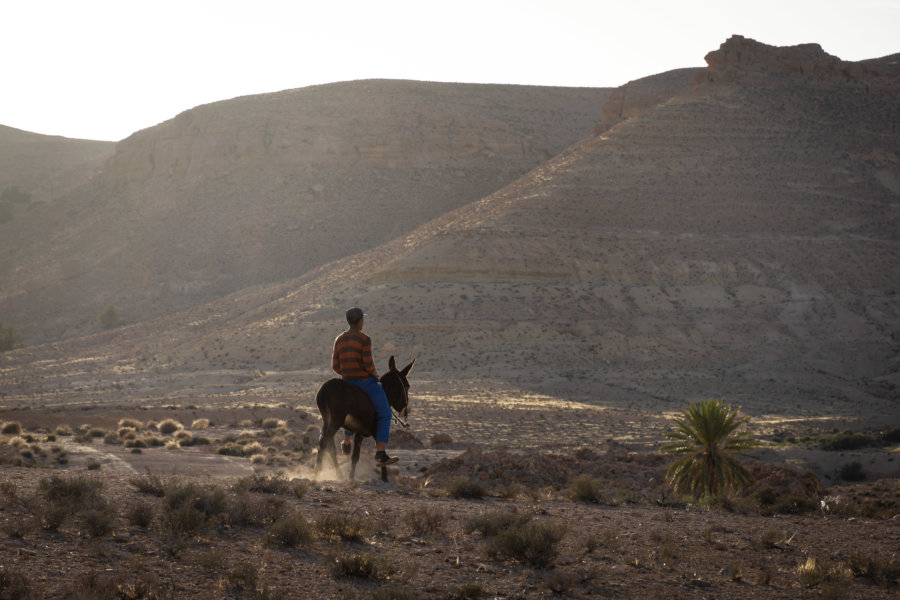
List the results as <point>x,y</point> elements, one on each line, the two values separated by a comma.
<point>739,56</point>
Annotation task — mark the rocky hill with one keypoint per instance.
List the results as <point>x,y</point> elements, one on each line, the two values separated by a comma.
<point>259,189</point>
<point>738,239</point>
<point>39,168</point>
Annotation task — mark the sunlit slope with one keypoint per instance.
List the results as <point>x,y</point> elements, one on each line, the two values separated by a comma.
<point>259,189</point>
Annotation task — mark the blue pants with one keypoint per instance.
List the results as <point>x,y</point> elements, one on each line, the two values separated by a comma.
<point>372,388</point>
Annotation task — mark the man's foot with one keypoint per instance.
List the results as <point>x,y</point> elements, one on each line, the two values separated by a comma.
<point>382,459</point>
<point>346,447</point>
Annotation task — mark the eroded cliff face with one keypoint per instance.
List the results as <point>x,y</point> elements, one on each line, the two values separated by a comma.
<point>739,57</point>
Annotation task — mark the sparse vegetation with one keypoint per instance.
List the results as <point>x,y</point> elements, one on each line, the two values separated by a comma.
<point>708,438</point>
<point>10,338</point>
<point>109,318</point>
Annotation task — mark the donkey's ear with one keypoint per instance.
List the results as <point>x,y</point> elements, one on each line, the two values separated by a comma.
<point>408,368</point>
<point>392,364</point>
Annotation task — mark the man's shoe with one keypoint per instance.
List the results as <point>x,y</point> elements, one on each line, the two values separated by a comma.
<point>346,447</point>
<point>383,460</point>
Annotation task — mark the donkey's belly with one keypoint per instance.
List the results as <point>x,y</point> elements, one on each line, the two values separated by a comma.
<point>355,425</point>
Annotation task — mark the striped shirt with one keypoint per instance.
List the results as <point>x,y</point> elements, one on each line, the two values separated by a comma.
<point>352,355</point>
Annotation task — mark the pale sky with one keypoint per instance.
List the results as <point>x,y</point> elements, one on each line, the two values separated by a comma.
<point>103,69</point>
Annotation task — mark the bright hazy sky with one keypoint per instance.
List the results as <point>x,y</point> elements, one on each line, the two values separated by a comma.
<point>103,69</point>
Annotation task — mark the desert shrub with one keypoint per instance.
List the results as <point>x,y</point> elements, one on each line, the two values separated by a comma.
<point>273,423</point>
<point>14,584</point>
<point>533,543</point>
<point>200,424</point>
<point>11,428</point>
<point>814,571</point>
<point>492,523</point>
<point>425,520</point>
<point>169,426</point>
<point>70,490</point>
<point>471,590</point>
<point>230,449</point>
<point>243,576</point>
<point>259,459</point>
<point>109,318</point>
<point>131,424</point>
<point>184,520</point>
<point>18,528</point>
<point>796,505</point>
<point>10,338</point>
<point>98,518</point>
<point>290,531</point>
<point>210,500</point>
<point>773,538</point>
<point>140,514</point>
<point>246,510</point>
<point>119,586</point>
<point>346,527</point>
<point>149,484</point>
<point>882,570</point>
<point>852,471</point>
<point>265,483</point>
<point>848,440</point>
<point>63,430</point>
<point>363,566</point>
<point>466,488</point>
<point>586,489</point>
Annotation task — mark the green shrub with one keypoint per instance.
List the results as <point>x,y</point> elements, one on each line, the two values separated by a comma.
<point>586,489</point>
<point>110,318</point>
<point>848,441</point>
<point>10,338</point>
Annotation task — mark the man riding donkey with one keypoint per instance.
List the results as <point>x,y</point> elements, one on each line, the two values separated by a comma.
<point>352,360</point>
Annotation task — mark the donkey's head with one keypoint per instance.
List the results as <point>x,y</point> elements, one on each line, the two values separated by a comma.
<point>396,386</point>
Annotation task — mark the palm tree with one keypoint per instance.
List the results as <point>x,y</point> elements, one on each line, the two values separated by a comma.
<point>707,437</point>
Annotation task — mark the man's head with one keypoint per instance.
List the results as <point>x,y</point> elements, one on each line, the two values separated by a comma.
<point>355,316</point>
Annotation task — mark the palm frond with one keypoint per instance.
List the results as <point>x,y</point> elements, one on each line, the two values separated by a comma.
<point>707,436</point>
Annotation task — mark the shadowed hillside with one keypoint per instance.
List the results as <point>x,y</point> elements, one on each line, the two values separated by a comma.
<point>737,239</point>
<point>263,188</point>
<point>42,167</point>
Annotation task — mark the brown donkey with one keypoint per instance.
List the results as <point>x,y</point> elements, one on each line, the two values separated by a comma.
<point>343,405</point>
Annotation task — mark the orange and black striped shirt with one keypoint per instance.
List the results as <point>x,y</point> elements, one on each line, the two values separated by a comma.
<point>352,355</point>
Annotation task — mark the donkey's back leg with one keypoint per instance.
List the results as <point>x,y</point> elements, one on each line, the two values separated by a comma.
<point>326,447</point>
<point>354,458</point>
